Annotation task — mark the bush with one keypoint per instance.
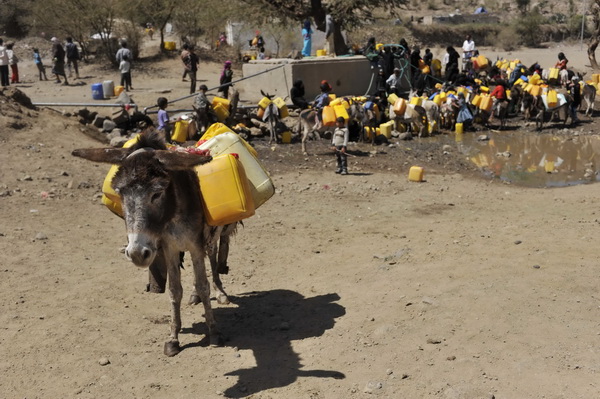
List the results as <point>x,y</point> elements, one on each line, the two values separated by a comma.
<point>507,38</point>
<point>528,29</point>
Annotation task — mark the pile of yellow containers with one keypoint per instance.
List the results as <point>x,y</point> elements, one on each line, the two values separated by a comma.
<point>221,108</point>
<point>385,129</point>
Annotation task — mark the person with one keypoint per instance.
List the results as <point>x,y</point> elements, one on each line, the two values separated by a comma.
<point>393,83</point>
<point>464,114</point>
<point>297,94</point>
<point>13,61</point>
<point>203,109</point>
<point>123,51</point>
<point>261,54</point>
<point>499,95</point>
<point>452,65</point>
<point>403,49</point>
<point>370,51</point>
<point>222,39</point>
<point>225,80</point>
<point>3,65</point>
<point>575,91</point>
<point>124,68</point>
<point>415,64</point>
<point>191,65</point>
<point>185,54</point>
<point>468,48</point>
<point>163,118</point>
<point>58,57</point>
<point>258,40</point>
<point>150,30</point>
<point>329,35</point>
<point>307,38</point>
<point>321,101</point>
<point>387,61</point>
<point>72,57</point>
<point>562,61</point>
<point>428,57</point>
<point>37,59</point>
<point>339,142</point>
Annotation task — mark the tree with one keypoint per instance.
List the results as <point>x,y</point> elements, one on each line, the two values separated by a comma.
<point>595,37</point>
<point>157,12</point>
<point>346,14</point>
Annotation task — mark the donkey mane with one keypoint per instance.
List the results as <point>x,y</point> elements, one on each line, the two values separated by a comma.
<point>150,138</point>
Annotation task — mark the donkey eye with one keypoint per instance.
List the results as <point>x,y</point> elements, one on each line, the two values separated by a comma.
<point>156,196</point>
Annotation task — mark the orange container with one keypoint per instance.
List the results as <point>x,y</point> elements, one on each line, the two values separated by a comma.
<point>400,106</point>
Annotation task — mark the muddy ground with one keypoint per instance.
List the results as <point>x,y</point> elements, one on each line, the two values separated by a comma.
<point>356,286</point>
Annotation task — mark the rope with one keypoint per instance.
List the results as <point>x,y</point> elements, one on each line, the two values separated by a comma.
<point>217,87</point>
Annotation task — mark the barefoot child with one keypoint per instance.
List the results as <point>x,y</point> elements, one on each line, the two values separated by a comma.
<point>163,118</point>
<point>37,58</point>
<point>338,144</point>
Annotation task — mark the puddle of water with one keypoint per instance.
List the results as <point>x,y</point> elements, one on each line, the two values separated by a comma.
<point>532,159</point>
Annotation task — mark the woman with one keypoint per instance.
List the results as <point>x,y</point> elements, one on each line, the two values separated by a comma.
<point>307,36</point>
<point>226,76</point>
<point>562,61</point>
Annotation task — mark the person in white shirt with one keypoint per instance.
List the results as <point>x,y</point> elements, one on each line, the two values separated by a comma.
<point>468,48</point>
<point>4,64</point>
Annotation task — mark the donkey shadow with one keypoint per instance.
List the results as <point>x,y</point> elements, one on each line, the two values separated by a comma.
<point>266,323</point>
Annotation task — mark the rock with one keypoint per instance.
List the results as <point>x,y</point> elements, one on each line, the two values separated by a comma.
<point>27,178</point>
<point>518,242</point>
<point>405,136</point>
<point>434,341</point>
<point>483,137</point>
<point>536,266</point>
<point>447,147</point>
<point>118,141</point>
<point>372,386</point>
<point>99,121</point>
<point>504,154</point>
<point>108,125</point>
<point>41,237</point>
<point>113,134</point>
<point>451,358</point>
<point>103,361</point>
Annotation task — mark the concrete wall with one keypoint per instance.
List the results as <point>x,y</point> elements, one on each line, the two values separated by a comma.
<point>346,75</point>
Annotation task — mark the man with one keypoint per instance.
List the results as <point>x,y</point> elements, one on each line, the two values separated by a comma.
<point>468,48</point>
<point>3,64</point>
<point>58,57</point>
<point>185,53</point>
<point>393,82</point>
<point>122,51</point>
<point>329,36</point>
<point>72,57</point>
<point>192,68</point>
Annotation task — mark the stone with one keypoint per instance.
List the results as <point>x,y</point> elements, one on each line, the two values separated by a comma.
<point>108,125</point>
<point>103,361</point>
<point>118,142</point>
<point>41,237</point>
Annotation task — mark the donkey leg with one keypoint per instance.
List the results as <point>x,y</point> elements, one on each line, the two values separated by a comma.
<point>202,287</point>
<point>175,293</point>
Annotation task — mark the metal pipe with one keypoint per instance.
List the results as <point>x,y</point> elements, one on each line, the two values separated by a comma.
<point>216,87</point>
<point>83,105</point>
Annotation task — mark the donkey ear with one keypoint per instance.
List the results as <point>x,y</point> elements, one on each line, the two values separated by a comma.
<point>106,155</point>
<point>176,160</point>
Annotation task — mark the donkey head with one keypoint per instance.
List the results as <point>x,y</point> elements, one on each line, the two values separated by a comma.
<point>146,182</point>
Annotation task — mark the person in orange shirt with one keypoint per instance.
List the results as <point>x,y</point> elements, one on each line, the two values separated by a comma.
<point>499,95</point>
<point>562,61</point>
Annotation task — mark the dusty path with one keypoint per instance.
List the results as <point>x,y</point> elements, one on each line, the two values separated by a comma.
<point>344,287</point>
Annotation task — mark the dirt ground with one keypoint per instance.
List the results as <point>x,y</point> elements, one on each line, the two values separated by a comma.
<point>356,286</point>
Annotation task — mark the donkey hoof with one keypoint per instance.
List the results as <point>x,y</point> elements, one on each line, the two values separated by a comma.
<point>222,299</point>
<point>194,300</point>
<point>172,348</point>
<point>216,340</point>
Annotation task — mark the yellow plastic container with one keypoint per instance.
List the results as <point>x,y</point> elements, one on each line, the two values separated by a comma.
<point>328,116</point>
<point>416,173</point>
<point>484,89</point>
<point>553,73</point>
<point>385,129</point>
<point>332,97</point>
<point>486,103</point>
<point>286,137</point>
<point>596,78</point>
<point>392,98</point>
<point>340,110</point>
<point>226,194</point>
<point>170,46</point>
<point>264,102</point>
<point>437,99</point>
<point>378,46</point>
<point>400,106</point>
<point>476,100</point>
<point>371,132</point>
<point>535,79</point>
<point>321,53</point>
<point>218,128</point>
<point>552,98</point>
<point>335,102</point>
<point>433,127</point>
<point>458,128</point>
<point>261,184</point>
<point>482,62</point>
<point>221,111</point>
<point>535,91</point>
<point>218,100</point>
<point>283,109</point>
<point>180,131</point>
<point>346,104</point>
<point>416,101</point>
<point>110,198</point>
<point>528,88</point>
<point>119,90</point>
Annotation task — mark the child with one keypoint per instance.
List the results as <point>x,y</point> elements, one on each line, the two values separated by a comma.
<point>163,118</point>
<point>203,109</point>
<point>226,76</point>
<point>338,144</point>
<point>37,58</point>
<point>13,61</point>
<point>125,68</point>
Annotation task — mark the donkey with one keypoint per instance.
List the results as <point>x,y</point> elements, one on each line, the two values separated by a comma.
<point>163,216</point>
<point>272,118</point>
<point>588,93</point>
